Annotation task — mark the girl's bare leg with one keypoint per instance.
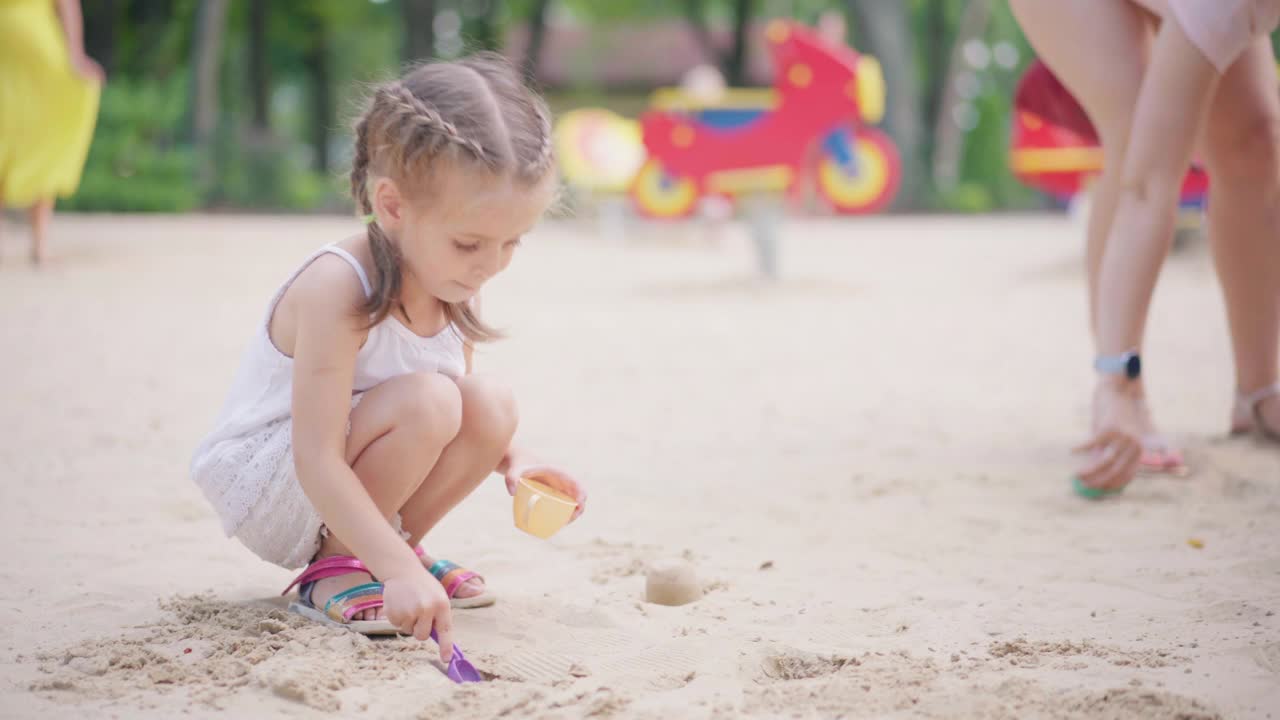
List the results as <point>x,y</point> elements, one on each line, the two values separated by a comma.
<point>489,420</point>
<point>398,432</point>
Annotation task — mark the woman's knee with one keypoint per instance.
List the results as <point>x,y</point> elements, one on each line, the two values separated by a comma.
<point>1247,156</point>
<point>488,409</point>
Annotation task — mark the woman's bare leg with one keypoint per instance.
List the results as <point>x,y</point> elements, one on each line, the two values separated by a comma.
<point>1105,79</point>
<point>41,215</point>
<point>1242,145</point>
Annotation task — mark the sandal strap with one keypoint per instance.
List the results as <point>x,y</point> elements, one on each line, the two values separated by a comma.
<point>456,579</point>
<point>440,567</point>
<point>452,576</point>
<point>331,566</point>
<point>1251,400</point>
<point>352,600</point>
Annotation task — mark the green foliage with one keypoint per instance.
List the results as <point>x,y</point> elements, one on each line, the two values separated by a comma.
<point>139,162</point>
<point>593,11</point>
<point>986,157</point>
<point>277,169</point>
<point>268,173</point>
<point>965,197</point>
<point>149,38</point>
<point>136,162</point>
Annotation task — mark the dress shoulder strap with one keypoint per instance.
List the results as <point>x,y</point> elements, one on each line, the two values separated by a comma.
<point>355,265</point>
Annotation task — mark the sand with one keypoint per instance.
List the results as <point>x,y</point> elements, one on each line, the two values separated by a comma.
<point>865,463</point>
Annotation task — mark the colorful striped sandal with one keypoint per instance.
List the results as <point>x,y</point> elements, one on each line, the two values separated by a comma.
<point>453,576</point>
<point>342,606</point>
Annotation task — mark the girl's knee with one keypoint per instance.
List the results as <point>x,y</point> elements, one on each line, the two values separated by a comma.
<point>429,404</point>
<point>488,408</point>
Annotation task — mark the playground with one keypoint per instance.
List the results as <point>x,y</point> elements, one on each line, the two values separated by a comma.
<point>800,297</point>
<point>865,462</point>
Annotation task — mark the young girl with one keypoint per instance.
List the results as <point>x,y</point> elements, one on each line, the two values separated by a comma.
<point>355,424</point>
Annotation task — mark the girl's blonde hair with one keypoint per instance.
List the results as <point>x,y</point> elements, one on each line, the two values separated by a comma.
<point>474,112</point>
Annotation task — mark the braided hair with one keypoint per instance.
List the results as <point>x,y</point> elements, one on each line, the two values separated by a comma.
<point>478,111</point>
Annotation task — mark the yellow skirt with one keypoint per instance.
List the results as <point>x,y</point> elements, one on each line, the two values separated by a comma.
<point>47,111</point>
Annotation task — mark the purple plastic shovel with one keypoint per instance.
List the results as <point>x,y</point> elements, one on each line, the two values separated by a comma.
<point>459,670</point>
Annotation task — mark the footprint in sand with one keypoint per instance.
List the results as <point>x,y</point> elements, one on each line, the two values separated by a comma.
<point>614,561</point>
<point>797,665</point>
<point>1268,657</point>
<point>1021,652</point>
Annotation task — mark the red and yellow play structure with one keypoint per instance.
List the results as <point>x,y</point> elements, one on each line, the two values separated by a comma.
<point>1055,148</point>
<point>813,125</point>
<point>813,128</point>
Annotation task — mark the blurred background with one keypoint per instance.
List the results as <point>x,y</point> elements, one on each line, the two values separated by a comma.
<point>245,104</point>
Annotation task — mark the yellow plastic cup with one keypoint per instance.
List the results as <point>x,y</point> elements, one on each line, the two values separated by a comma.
<point>540,509</point>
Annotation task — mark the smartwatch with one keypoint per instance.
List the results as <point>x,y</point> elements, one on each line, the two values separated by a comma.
<point>1128,364</point>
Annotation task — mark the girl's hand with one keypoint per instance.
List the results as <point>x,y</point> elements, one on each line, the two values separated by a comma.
<point>1116,447</point>
<point>415,603</point>
<point>87,68</point>
<point>555,477</point>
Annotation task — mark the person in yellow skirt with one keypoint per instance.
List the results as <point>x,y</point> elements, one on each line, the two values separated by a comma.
<point>49,93</point>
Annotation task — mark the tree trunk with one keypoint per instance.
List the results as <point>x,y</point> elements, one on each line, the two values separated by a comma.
<point>259,79</point>
<point>695,14</point>
<point>211,20</point>
<point>937,27</point>
<point>419,33</point>
<point>733,62</point>
<point>149,12</point>
<point>100,33</point>
<point>537,33</point>
<point>884,31</point>
<point>321,114</point>
<point>948,136</point>
<point>147,19</point>
<point>735,65</point>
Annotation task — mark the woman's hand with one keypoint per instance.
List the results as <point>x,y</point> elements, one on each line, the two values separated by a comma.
<point>521,465</point>
<point>1116,447</point>
<point>87,68</point>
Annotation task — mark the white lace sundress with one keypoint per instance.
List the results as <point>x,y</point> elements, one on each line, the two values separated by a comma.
<point>245,465</point>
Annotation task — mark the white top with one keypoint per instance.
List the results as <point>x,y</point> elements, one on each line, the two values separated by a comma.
<point>235,463</point>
